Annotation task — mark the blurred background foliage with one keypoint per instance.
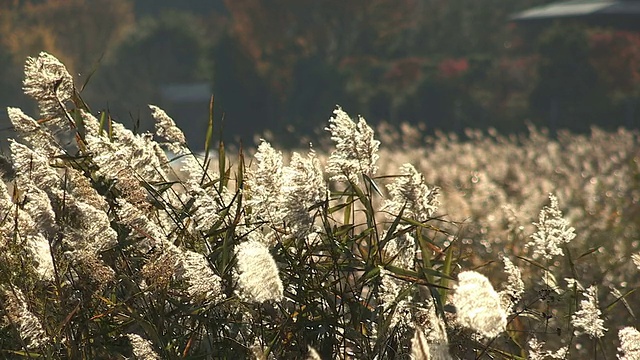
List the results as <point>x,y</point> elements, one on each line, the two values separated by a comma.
<point>279,67</point>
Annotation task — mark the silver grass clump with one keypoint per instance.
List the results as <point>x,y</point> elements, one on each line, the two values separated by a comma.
<point>88,264</point>
<point>93,227</point>
<point>34,166</point>
<point>356,151</point>
<point>149,233</point>
<point>284,195</point>
<point>139,155</point>
<point>125,156</point>
<point>190,268</point>
<point>74,201</point>
<point>49,83</point>
<point>90,212</point>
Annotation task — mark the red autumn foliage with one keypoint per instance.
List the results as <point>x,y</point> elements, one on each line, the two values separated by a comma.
<point>616,57</point>
<point>404,72</point>
<point>453,68</point>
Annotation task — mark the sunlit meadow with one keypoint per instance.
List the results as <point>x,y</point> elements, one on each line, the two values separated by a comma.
<point>383,244</point>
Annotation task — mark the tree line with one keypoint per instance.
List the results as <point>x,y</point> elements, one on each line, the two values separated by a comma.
<point>282,66</point>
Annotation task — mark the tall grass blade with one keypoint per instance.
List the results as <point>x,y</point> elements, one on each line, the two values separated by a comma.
<point>209,135</point>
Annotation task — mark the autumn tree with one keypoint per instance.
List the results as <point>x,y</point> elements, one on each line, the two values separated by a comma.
<point>384,55</point>
<point>79,32</point>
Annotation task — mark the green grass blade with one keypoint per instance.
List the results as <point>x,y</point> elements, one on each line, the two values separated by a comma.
<point>446,269</point>
<point>209,135</point>
<point>103,119</point>
<point>92,72</point>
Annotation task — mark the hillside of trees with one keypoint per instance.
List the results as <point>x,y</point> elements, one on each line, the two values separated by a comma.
<point>281,66</point>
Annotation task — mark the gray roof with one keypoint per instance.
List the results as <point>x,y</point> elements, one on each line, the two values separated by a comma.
<point>188,92</point>
<point>581,8</point>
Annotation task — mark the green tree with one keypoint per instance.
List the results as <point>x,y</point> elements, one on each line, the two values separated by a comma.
<point>164,50</point>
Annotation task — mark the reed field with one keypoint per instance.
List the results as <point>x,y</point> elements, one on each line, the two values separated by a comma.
<point>370,244</point>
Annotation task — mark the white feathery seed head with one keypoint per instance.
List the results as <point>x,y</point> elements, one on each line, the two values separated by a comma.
<point>587,319</point>
<point>265,182</point>
<point>166,128</point>
<point>34,166</point>
<point>149,231</point>
<point>89,265</point>
<point>574,284</point>
<point>514,288</point>
<point>258,276</point>
<point>48,82</point>
<point>629,343</point>
<point>41,250</point>
<point>478,305</point>
<point>128,153</point>
<point>419,346</point>
<point>204,284</point>
<point>206,209</point>
<point>36,223</point>
<point>402,248</point>
<point>312,354</point>
<point>304,187</point>
<point>636,260</point>
<point>409,192</point>
<point>433,330</point>
<point>553,232</point>
<point>356,151</point>
<point>389,297</point>
<point>536,351</point>
<point>142,348</point>
<point>32,133</point>
<point>97,226</point>
<point>28,325</point>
